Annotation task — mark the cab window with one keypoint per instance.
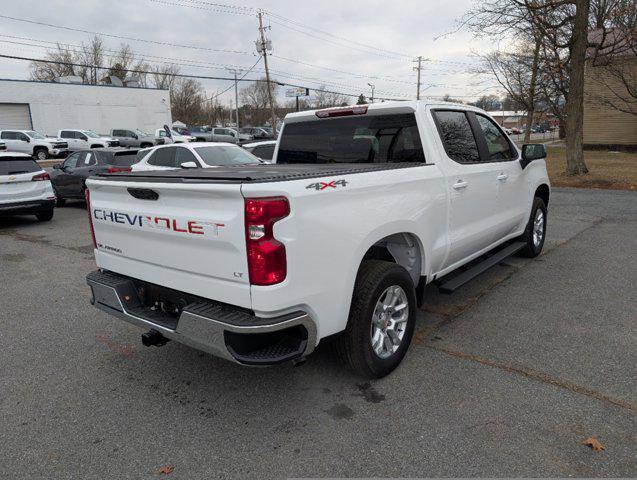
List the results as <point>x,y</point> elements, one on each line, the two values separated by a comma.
<point>498,146</point>
<point>456,135</point>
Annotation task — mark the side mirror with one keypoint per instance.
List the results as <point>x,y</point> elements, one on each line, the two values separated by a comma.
<point>135,136</point>
<point>532,151</point>
<point>189,165</point>
<point>83,138</point>
<point>25,139</point>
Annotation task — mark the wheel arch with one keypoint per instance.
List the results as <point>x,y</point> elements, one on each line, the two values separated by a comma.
<point>544,192</point>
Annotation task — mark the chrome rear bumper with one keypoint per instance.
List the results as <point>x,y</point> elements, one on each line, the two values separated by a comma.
<point>216,328</point>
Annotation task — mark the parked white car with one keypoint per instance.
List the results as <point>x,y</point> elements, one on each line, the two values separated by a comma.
<point>365,206</point>
<point>176,137</point>
<point>83,139</point>
<point>34,143</point>
<point>193,155</point>
<point>25,188</point>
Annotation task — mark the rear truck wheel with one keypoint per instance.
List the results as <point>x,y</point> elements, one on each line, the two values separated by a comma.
<point>535,231</point>
<point>41,153</point>
<point>381,319</point>
<point>45,216</point>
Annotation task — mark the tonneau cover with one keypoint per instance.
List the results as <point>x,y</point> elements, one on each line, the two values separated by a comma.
<point>253,173</point>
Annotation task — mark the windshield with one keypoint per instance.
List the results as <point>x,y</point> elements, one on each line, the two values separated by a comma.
<point>356,139</point>
<point>219,155</point>
<point>90,134</point>
<point>33,134</point>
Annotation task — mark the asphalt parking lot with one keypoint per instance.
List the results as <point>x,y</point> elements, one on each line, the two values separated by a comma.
<point>506,377</point>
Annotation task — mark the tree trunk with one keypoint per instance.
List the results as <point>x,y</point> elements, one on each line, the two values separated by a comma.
<point>575,103</point>
<point>532,86</point>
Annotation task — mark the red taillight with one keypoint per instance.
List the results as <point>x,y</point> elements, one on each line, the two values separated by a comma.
<point>40,177</point>
<point>119,169</point>
<point>87,195</point>
<point>342,112</point>
<point>267,263</point>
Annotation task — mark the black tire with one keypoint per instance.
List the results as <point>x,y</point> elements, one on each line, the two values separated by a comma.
<point>59,201</point>
<point>45,216</point>
<point>41,153</point>
<point>532,248</point>
<point>354,345</point>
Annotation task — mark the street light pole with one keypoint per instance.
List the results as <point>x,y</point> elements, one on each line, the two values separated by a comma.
<point>236,96</point>
<point>372,86</point>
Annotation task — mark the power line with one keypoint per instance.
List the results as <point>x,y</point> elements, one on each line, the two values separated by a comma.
<point>182,75</point>
<point>122,37</point>
<point>323,32</point>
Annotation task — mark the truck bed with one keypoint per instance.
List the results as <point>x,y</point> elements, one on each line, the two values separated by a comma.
<point>254,173</point>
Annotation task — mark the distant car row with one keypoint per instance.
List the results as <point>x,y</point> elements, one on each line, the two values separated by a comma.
<point>25,188</point>
<point>69,140</point>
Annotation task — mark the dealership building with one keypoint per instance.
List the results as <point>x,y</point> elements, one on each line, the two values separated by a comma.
<point>50,106</point>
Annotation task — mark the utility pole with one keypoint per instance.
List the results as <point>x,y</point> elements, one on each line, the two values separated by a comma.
<point>372,86</point>
<point>419,60</point>
<point>236,95</point>
<point>262,48</point>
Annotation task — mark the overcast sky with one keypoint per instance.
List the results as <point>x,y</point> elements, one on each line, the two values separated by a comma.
<point>348,43</point>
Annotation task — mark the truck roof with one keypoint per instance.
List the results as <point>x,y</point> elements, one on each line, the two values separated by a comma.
<point>393,107</point>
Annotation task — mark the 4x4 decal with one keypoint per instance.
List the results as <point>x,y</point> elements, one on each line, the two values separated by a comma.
<point>326,185</point>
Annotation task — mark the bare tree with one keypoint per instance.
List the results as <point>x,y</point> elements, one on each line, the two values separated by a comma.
<point>325,99</point>
<point>164,76</point>
<point>48,72</point>
<point>186,99</point>
<point>613,48</point>
<point>91,56</point>
<point>254,98</point>
<point>516,70</point>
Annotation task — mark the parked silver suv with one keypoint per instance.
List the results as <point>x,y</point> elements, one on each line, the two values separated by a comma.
<point>136,138</point>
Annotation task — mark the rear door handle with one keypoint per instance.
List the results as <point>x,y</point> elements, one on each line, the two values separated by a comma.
<point>503,176</point>
<point>459,185</point>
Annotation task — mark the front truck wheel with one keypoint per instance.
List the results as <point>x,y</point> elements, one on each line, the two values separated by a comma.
<point>535,231</point>
<point>381,319</point>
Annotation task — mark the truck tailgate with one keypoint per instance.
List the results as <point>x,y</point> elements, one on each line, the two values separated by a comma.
<point>189,237</point>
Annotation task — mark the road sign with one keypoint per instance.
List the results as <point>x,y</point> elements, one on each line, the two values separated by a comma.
<point>297,92</point>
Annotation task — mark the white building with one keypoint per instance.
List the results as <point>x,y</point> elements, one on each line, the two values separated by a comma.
<point>48,107</point>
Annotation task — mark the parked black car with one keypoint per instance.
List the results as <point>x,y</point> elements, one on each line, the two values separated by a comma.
<point>68,178</point>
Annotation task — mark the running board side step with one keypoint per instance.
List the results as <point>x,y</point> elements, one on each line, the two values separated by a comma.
<point>459,280</point>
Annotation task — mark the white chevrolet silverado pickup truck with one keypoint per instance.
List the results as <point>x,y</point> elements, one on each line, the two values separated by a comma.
<point>364,207</point>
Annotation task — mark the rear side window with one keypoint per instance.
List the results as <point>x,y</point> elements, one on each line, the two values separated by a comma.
<point>17,166</point>
<point>357,139</point>
<point>265,152</point>
<point>457,136</point>
<point>67,134</point>
<point>183,155</point>
<point>87,159</point>
<point>123,159</point>
<point>221,155</point>
<point>8,136</point>
<point>163,157</point>
<point>497,144</point>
